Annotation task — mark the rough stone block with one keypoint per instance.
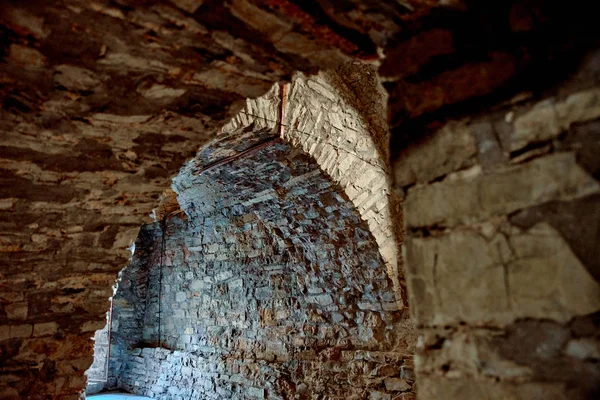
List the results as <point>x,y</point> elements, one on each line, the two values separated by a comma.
<point>92,326</point>
<point>396,385</point>
<point>46,328</point>
<point>547,119</point>
<point>376,395</point>
<point>20,331</point>
<point>583,349</point>
<point>546,280</point>
<point>531,274</point>
<point>464,200</point>
<point>16,310</point>
<point>450,148</point>
<point>4,332</point>
<point>255,392</point>
<point>486,389</point>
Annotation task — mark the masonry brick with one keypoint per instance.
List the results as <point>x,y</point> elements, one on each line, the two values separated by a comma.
<point>254,309</point>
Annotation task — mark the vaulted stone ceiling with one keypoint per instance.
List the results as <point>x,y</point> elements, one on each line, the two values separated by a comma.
<point>103,101</point>
<point>273,280</point>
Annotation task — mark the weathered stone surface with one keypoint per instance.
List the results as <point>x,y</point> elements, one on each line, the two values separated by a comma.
<point>397,384</point>
<point>451,148</point>
<point>549,270</point>
<point>103,101</point>
<point>518,354</point>
<point>407,57</point>
<point>43,329</point>
<point>470,80</point>
<point>270,298</point>
<point>16,310</point>
<point>345,131</point>
<point>548,119</point>
<point>583,349</point>
<point>464,200</point>
<point>502,275</point>
<point>20,331</point>
<point>473,388</point>
<point>479,296</point>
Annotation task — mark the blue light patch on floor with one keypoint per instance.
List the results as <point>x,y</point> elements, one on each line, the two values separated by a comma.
<point>117,396</point>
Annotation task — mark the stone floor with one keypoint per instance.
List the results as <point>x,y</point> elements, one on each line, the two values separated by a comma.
<point>117,396</point>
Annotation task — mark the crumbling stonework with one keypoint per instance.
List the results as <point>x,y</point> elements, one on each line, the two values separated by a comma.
<point>271,288</point>
<point>519,318</point>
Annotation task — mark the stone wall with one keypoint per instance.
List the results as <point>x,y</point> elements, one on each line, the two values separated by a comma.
<point>97,372</point>
<point>130,300</point>
<point>502,226</point>
<point>102,101</point>
<point>272,288</point>
<point>339,119</point>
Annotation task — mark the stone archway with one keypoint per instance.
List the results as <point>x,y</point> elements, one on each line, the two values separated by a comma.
<point>338,117</point>
<point>102,101</point>
<point>272,287</point>
<point>101,104</point>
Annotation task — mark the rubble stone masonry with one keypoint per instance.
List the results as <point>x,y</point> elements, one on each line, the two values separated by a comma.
<point>272,287</point>
<point>492,109</point>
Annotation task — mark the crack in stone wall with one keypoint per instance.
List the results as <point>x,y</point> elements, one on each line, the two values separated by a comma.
<point>498,286</point>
